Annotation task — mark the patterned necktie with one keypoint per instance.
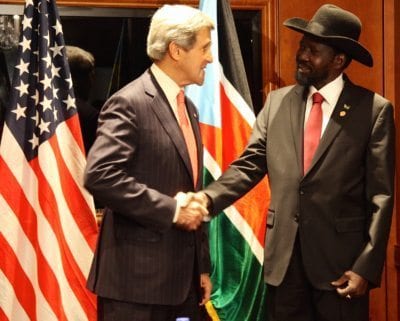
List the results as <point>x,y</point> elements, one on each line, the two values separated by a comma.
<point>187,134</point>
<point>312,132</point>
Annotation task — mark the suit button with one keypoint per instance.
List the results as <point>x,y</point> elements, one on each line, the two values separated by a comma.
<point>297,217</point>
<point>301,192</point>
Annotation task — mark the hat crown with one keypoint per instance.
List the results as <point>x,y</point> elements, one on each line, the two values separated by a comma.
<point>330,20</point>
<point>336,27</point>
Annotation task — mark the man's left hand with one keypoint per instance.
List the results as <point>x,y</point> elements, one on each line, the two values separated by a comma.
<point>206,285</point>
<point>351,285</point>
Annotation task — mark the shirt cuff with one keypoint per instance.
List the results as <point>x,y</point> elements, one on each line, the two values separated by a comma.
<point>180,201</point>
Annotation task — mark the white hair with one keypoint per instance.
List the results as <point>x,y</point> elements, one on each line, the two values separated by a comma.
<point>179,23</point>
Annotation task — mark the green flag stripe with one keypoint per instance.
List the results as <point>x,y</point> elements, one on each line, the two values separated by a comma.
<point>237,276</point>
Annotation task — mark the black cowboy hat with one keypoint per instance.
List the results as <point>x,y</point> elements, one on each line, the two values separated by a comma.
<point>336,27</point>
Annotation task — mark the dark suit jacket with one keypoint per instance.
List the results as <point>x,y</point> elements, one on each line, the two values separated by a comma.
<point>342,207</point>
<point>136,166</point>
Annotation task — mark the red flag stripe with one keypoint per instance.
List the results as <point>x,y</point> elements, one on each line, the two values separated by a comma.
<point>13,311</point>
<point>33,227</point>
<point>234,129</point>
<point>3,316</point>
<point>52,202</point>
<point>23,289</point>
<point>249,207</point>
<point>75,161</point>
<point>75,141</point>
<point>83,216</point>
<point>78,217</point>
<point>60,262</point>
<point>69,275</point>
<point>212,137</point>
<point>13,234</point>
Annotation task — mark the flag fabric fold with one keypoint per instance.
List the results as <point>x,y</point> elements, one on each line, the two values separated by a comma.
<point>226,119</point>
<point>47,219</point>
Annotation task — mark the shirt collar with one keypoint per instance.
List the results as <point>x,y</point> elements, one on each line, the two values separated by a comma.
<point>330,91</point>
<point>168,86</point>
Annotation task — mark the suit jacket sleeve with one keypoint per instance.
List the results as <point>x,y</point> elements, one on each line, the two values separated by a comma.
<point>380,166</point>
<point>245,172</point>
<point>108,174</point>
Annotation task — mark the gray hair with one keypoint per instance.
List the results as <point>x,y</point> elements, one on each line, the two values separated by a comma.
<point>179,23</point>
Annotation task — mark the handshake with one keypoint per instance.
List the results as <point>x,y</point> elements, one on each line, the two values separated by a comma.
<point>192,210</point>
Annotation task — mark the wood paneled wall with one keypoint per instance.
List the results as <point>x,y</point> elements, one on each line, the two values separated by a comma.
<point>279,47</point>
<point>371,38</point>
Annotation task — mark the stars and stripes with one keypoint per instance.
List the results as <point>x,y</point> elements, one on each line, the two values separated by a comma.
<point>47,222</point>
<point>42,77</point>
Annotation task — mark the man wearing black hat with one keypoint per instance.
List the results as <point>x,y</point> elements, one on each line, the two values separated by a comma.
<point>327,146</point>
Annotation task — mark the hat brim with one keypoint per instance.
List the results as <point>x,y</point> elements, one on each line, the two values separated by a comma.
<point>349,46</point>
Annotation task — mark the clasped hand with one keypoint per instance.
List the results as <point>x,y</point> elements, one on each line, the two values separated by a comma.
<point>192,210</point>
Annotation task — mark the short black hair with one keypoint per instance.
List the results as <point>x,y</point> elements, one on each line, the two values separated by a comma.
<point>82,66</point>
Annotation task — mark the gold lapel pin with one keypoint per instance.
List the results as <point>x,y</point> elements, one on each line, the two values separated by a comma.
<point>342,113</point>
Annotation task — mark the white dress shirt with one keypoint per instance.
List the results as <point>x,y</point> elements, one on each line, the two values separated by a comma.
<point>331,93</point>
<point>171,91</point>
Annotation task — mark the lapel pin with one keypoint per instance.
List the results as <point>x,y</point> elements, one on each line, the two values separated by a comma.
<point>342,113</point>
<point>346,106</point>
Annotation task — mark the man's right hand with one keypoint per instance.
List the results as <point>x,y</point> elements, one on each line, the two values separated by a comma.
<point>190,215</point>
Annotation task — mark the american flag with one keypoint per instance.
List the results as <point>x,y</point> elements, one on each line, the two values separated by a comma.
<point>47,221</point>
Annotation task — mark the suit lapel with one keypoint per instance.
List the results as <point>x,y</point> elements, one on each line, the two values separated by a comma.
<point>160,106</point>
<point>297,110</point>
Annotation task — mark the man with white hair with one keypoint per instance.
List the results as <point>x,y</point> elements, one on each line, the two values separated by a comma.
<point>152,258</point>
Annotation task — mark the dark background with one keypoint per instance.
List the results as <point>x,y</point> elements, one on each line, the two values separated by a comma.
<point>101,36</point>
<point>103,31</point>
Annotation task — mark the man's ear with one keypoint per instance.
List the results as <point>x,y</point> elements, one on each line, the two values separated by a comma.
<point>174,50</point>
<point>340,60</point>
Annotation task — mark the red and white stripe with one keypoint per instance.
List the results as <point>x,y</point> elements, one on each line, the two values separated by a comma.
<point>47,230</point>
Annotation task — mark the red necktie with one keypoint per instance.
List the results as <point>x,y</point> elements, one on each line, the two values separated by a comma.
<point>187,134</point>
<point>312,132</point>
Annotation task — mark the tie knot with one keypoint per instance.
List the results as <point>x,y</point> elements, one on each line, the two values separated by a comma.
<point>317,98</point>
<point>181,98</point>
